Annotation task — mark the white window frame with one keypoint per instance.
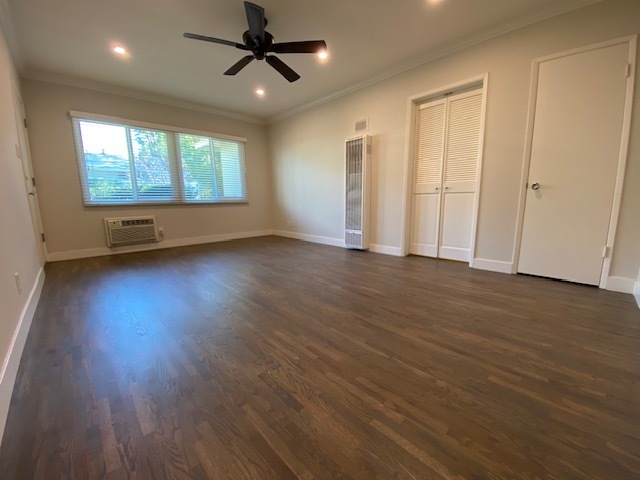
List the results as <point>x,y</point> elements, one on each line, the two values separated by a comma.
<point>174,156</point>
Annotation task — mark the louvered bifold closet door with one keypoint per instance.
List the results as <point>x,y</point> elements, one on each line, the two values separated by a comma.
<point>462,152</point>
<point>427,177</point>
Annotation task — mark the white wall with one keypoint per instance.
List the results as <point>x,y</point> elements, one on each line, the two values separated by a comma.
<point>307,149</point>
<point>18,248</point>
<point>72,228</point>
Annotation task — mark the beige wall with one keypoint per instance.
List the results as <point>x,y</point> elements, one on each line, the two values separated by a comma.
<point>307,158</point>
<point>70,226</point>
<point>18,248</point>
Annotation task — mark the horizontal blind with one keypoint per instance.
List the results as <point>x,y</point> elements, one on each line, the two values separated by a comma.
<point>429,144</point>
<point>124,164</point>
<point>231,178</point>
<point>104,164</point>
<point>463,139</point>
<point>197,167</point>
<point>152,165</point>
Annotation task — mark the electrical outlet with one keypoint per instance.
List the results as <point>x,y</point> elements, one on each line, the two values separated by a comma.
<point>161,232</point>
<point>16,276</point>
<point>288,223</point>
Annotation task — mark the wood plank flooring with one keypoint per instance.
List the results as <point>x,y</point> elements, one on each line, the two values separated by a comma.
<point>271,358</point>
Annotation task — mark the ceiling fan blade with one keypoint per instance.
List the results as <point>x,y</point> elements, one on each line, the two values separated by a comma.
<point>255,19</point>
<point>311,46</point>
<point>282,68</point>
<point>243,62</point>
<point>195,36</point>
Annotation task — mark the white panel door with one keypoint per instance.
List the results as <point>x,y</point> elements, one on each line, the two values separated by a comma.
<point>427,178</point>
<point>22,151</point>
<point>574,158</point>
<point>462,151</point>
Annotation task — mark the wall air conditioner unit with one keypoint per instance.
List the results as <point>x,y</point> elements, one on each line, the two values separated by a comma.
<point>130,230</point>
<point>358,192</point>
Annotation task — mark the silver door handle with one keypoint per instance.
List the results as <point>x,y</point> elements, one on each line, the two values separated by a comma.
<point>535,186</point>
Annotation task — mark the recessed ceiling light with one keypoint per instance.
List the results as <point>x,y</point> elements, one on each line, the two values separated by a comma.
<point>120,50</point>
<point>323,55</point>
<point>260,92</point>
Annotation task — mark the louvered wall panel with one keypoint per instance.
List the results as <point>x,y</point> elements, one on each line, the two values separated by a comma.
<point>354,184</point>
<point>429,144</point>
<point>463,138</point>
<point>357,189</point>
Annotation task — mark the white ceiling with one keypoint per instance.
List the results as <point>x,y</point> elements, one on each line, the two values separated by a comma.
<point>367,39</point>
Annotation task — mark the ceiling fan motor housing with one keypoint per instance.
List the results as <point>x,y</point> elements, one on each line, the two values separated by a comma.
<point>258,48</point>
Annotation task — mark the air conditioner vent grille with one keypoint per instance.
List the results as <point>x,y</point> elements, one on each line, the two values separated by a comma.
<point>130,230</point>
<point>362,125</point>
<point>138,221</point>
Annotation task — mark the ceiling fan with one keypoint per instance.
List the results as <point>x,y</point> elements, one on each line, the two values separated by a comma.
<point>261,43</point>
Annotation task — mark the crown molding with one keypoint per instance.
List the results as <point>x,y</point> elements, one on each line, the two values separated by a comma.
<point>77,82</point>
<point>555,10</point>
<point>6,21</point>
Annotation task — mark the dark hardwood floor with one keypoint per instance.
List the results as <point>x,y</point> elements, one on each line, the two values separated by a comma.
<point>273,358</point>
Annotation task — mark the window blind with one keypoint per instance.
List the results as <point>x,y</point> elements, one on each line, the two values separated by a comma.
<point>131,164</point>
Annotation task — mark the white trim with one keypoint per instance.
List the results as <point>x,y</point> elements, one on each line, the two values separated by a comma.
<point>620,284</point>
<point>482,81</point>
<point>622,160</point>
<point>492,265</point>
<point>178,242</point>
<point>71,81</point>
<point>153,126</point>
<point>476,194</point>
<point>636,292</point>
<point>386,250</point>
<point>11,362</point>
<point>334,242</point>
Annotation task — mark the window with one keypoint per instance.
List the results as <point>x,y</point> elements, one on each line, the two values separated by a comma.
<point>134,163</point>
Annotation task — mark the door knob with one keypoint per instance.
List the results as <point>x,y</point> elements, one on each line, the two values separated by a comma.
<point>535,186</point>
<point>33,194</point>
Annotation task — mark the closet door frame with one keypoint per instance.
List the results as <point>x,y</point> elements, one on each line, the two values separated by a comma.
<point>414,102</point>
<point>632,41</point>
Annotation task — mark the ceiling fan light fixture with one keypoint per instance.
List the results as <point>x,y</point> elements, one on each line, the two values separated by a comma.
<point>260,92</point>
<point>323,54</point>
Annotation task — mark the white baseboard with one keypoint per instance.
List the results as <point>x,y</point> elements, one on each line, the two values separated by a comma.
<point>620,284</point>
<point>178,242</point>
<point>334,242</point>
<point>386,250</point>
<point>12,360</point>
<point>636,292</point>
<point>493,265</point>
